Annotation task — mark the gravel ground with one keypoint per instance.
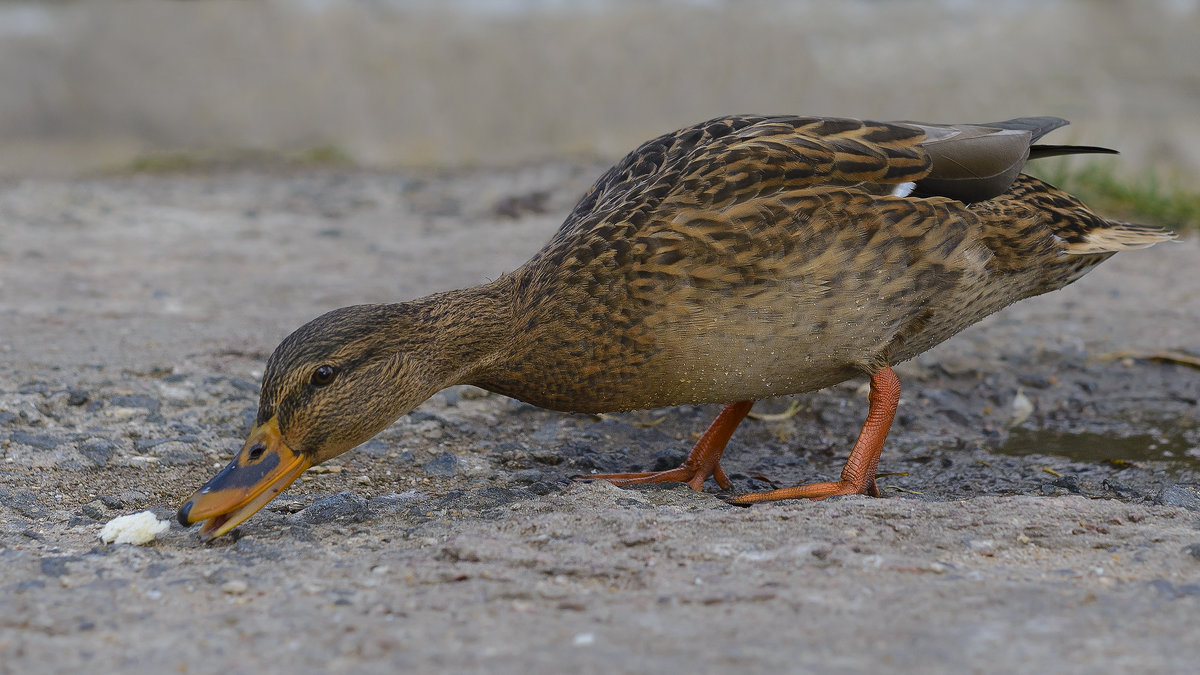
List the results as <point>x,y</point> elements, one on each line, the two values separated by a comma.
<point>1045,513</point>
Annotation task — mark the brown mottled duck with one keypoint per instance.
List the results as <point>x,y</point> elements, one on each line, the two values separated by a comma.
<point>734,260</point>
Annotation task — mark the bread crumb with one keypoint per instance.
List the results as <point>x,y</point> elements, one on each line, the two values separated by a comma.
<point>138,528</point>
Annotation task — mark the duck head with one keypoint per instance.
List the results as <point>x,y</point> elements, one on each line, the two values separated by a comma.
<point>331,385</point>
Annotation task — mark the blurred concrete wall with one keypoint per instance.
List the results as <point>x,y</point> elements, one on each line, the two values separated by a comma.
<point>92,84</point>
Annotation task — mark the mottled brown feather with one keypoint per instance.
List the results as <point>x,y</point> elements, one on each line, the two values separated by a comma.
<point>741,258</point>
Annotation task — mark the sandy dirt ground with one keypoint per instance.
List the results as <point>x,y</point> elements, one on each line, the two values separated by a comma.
<point>137,313</point>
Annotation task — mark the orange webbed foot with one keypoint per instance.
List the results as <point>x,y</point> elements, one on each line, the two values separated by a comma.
<point>694,476</point>
<point>858,476</point>
<point>702,462</point>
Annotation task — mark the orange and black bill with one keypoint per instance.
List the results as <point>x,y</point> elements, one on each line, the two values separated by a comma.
<point>263,468</point>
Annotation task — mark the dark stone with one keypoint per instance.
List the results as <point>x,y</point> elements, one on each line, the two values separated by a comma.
<point>155,570</point>
<point>249,416</point>
<point>1034,380</point>
<point>252,547</point>
<point>111,501</point>
<point>132,498</point>
<point>947,400</point>
<point>33,388</point>
<point>1068,483</point>
<point>23,501</point>
<point>165,513</point>
<point>1193,550</point>
<point>422,416</point>
<point>542,487</point>
<point>56,566</point>
<point>1186,495</point>
<point>77,397</point>
<point>444,464</point>
<point>548,433</point>
<point>374,447</point>
<point>588,462</point>
<point>7,418</point>
<point>143,444</point>
<point>98,450</point>
<point>550,457</point>
<point>343,506</point>
<point>182,457</point>
<point>665,460</point>
<point>1120,489</point>
<point>136,401</point>
<point>244,385</point>
<point>93,510</point>
<point>397,502</point>
<point>39,441</point>
<point>1174,591</point>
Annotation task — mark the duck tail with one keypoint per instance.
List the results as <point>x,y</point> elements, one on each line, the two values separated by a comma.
<point>1112,236</point>
<point>1041,151</point>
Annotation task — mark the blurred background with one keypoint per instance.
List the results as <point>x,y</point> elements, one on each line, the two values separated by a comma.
<point>99,85</point>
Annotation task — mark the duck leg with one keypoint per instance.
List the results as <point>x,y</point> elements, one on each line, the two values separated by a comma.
<point>703,461</point>
<point>858,476</point>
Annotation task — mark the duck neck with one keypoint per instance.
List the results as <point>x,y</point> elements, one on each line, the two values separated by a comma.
<point>466,331</point>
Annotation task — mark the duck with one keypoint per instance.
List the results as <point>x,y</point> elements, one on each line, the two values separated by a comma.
<point>745,257</point>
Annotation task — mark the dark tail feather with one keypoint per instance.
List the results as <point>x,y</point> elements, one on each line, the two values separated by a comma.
<point>1037,126</point>
<point>1040,151</point>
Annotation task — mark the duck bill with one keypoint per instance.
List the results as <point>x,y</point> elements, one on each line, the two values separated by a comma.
<point>263,468</point>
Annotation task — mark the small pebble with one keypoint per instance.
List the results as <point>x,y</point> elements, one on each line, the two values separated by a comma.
<point>98,450</point>
<point>1185,495</point>
<point>342,506</point>
<point>444,464</point>
<point>144,402</point>
<point>1022,408</point>
<point>132,498</point>
<point>584,639</point>
<point>94,509</point>
<point>235,587</point>
<point>39,441</point>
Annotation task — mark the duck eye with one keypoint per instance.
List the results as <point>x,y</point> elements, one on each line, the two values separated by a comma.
<point>323,375</point>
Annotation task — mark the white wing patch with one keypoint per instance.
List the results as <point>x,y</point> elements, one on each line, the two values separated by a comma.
<point>903,189</point>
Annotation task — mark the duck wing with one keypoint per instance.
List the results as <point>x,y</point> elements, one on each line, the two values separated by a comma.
<point>733,159</point>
